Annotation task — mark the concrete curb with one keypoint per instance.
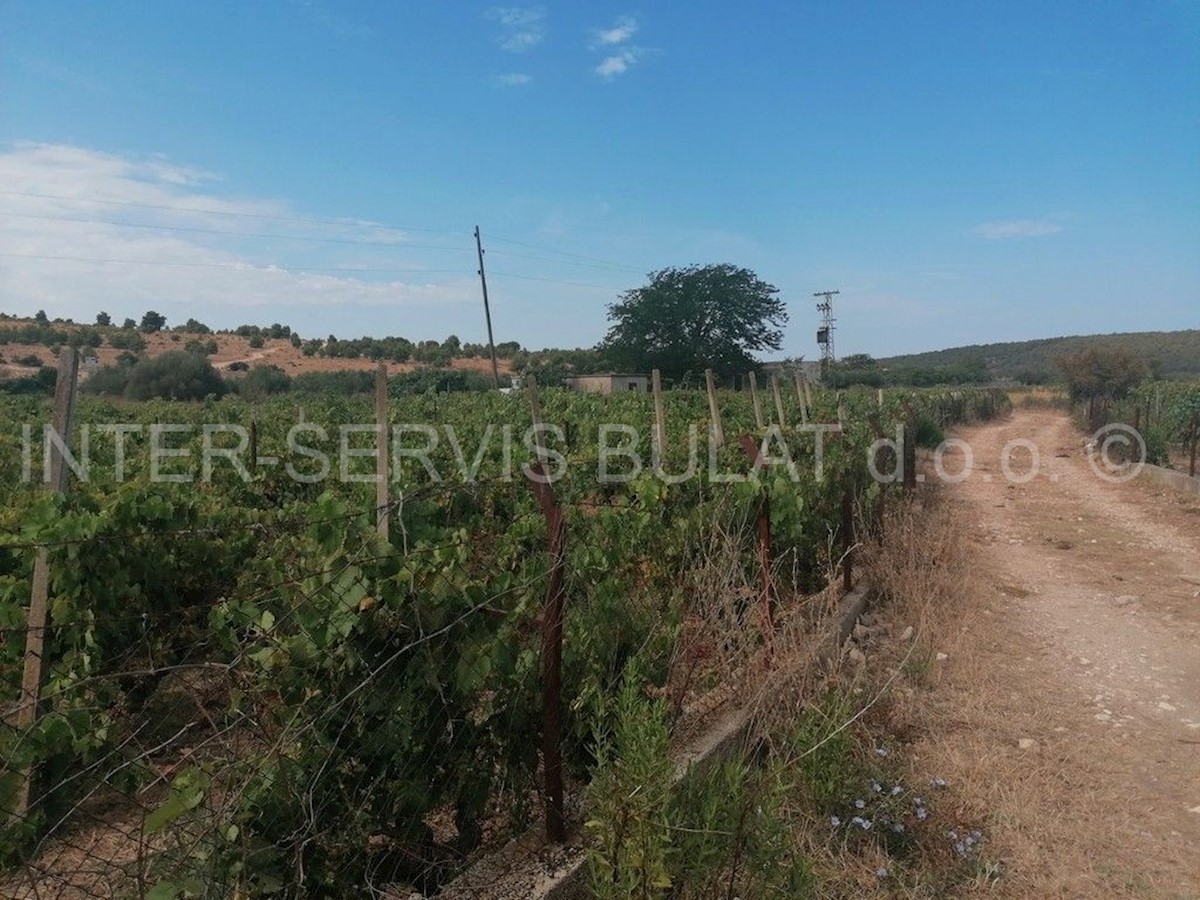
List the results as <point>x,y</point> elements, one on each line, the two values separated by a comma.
<point>1171,478</point>
<point>529,869</point>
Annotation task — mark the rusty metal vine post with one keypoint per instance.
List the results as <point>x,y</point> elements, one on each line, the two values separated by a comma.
<point>552,640</point>
<point>382,422</point>
<point>552,629</point>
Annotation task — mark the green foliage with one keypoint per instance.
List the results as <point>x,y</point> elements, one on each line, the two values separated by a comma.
<point>686,320</point>
<point>178,375</point>
<point>263,381</point>
<point>208,348</point>
<point>927,432</point>
<point>388,685</point>
<point>1167,414</point>
<point>628,800</point>
<point>108,380</point>
<point>127,340</point>
<point>40,382</point>
<point>152,322</point>
<point>422,381</point>
<point>345,382</point>
<point>257,342</point>
<point>1101,373</point>
<point>1176,353</point>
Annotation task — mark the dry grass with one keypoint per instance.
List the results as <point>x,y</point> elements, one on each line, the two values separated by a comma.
<point>1056,819</point>
<point>1038,398</point>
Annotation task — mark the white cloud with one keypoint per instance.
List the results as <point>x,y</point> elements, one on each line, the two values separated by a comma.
<point>617,64</point>
<point>1017,228</point>
<point>521,27</point>
<point>82,230</point>
<point>512,79</point>
<point>624,29</point>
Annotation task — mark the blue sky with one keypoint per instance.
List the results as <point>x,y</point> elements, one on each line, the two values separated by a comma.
<point>961,172</point>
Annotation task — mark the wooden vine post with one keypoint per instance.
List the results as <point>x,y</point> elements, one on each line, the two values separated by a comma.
<point>714,412</point>
<point>778,401</point>
<point>552,632</point>
<point>758,416</point>
<point>909,449</point>
<point>660,420</point>
<point>33,672</point>
<point>767,595</point>
<point>801,398</point>
<point>381,450</point>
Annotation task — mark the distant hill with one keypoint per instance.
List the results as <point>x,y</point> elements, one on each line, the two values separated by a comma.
<point>1173,353</point>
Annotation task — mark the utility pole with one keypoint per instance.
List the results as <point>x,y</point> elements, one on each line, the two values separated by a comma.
<point>487,312</point>
<point>825,332</point>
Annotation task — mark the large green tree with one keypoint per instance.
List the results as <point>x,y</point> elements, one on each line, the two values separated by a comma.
<point>1101,373</point>
<point>689,319</point>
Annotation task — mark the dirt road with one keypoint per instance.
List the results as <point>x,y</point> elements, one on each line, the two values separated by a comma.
<point>1072,681</point>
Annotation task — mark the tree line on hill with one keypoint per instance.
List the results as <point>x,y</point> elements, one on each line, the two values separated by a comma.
<point>681,322</point>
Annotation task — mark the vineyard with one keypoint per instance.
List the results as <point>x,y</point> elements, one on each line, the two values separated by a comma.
<point>1167,415</point>
<point>248,687</point>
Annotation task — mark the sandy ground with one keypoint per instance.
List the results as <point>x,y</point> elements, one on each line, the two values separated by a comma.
<point>1067,709</point>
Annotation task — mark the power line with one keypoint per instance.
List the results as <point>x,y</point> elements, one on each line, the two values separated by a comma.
<point>594,259</point>
<point>606,267</point>
<point>226,231</point>
<point>599,287</point>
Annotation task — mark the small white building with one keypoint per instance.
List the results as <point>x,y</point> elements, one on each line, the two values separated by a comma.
<point>609,383</point>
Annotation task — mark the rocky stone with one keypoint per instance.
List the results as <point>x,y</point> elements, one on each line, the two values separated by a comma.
<point>1126,600</point>
<point>856,656</point>
<point>861,632</point>
<point>1026,744</point>
<point>907,634</point>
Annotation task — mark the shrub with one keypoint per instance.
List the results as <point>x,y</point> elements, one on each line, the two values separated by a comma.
<point>30,360</point>
<point>177,375</point>
<point>127,340</point>
<point>334,382</point>
<point>153,321</point>
<point>257,342</point>
<point>40,382</point>
<point>927,432</point>
<point>264,381</point>
<point>440,380</point>
<point>109,380</point>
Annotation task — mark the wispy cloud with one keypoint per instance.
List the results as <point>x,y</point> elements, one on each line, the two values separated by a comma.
<point>1017,228</point>
<point>624,29</point>
<point>83,230</point>
<point>512,79</point>
<point>617,64</point>
<point>521,27</point>
<point>620,55</point>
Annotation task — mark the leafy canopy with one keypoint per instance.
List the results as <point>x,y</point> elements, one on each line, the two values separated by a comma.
<point>1099,372</point>
<point>686,320</point>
